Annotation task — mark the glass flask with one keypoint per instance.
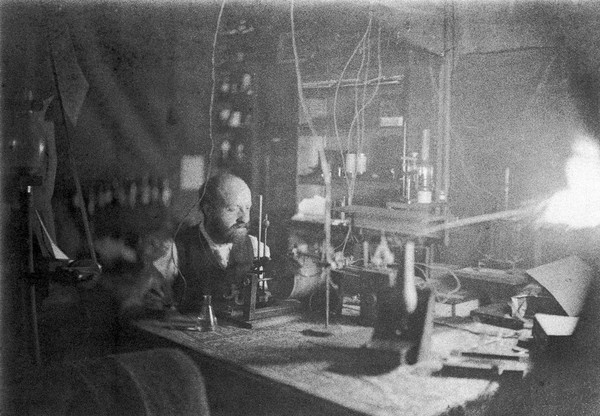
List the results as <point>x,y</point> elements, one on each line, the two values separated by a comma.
<point>207,320</point>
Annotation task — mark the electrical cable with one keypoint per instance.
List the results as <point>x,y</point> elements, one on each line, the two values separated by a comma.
<point>346,238</point>
<point>367,102</point>
<point>365,105</point>
<point>197,202</point>
<point>335,100</point>
<point>326,258</point>
<point>212,93</point>
<point>443,296</point>
<point>360,112</point>
<point>356,119</point>
<point>359,147</point>
<point>379,71</point>
<point>357,116</point>
<point>336,95</point>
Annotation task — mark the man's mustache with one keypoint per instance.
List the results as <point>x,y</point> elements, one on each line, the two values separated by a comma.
<point>241,225</point>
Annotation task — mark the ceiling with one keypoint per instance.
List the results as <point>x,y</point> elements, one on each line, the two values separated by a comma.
<point>487,26</point>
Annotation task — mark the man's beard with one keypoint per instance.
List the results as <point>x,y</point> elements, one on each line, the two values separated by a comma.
<point>239,230</point>
<point>223,235</point>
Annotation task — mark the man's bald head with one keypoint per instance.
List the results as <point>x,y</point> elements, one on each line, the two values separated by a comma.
<point>225,201</point>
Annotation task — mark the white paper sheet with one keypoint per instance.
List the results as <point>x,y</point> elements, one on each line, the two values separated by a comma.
<point>567,280</point>
<point>51,246</point>
<point>192,172</point>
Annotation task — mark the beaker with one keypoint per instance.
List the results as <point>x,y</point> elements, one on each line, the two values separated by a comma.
<point>207,320</point>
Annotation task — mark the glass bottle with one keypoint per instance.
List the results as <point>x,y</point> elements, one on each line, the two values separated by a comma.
<point>207,320</point>
<point>411,176</point>
<point>425,182</point>
<point>425,173</point>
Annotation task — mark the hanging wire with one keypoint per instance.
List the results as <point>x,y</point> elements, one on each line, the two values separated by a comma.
<point>211,108</point>
<point>336,96</point>
<point>326,257</point>
<point>361,137</point>
<point>172,250</point>
<point>441,296</point>
<point>364,106</point>
<point>335,100</point>
<point>359,114</point>
<point>356,119</point>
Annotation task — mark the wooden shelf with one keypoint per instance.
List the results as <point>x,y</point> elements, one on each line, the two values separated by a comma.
<point>411,223</point>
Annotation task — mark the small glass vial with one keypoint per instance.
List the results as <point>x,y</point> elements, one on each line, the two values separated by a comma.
<point>425,182</point>
<point>411,176</point>
<point>207,320</point>
<point>361,164</point>
<point>425,173</point>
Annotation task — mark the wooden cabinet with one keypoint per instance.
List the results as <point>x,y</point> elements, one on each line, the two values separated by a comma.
<point>234,102</point>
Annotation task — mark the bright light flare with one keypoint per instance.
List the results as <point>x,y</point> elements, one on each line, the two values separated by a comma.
<point>578,206</point>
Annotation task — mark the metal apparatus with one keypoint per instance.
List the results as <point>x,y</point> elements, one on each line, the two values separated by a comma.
<point>403,321</point>
<point>253,301</point>
<point>402,330</point>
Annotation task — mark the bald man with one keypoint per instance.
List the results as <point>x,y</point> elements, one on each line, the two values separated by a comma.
<point>214,256</point>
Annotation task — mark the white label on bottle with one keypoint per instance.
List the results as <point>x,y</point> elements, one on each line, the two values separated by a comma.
<point>424,197</point>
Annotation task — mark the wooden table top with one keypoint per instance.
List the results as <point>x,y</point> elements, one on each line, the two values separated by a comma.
<point>330,363</point>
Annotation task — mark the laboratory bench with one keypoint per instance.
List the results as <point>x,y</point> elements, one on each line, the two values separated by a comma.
<point>297,365</point>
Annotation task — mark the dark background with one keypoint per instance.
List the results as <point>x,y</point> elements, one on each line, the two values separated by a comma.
<point>524,85</point>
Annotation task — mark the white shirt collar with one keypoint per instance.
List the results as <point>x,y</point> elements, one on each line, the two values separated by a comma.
<point>221,251</point>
